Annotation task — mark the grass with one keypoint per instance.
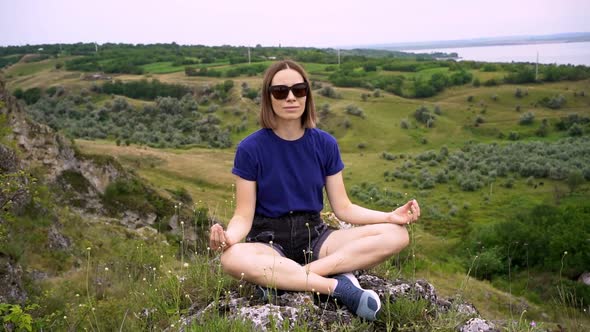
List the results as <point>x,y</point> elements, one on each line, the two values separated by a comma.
<point>206,176</point>
<point>162,68</point>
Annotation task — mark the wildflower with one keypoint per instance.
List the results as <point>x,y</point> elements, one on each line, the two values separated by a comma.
<point>106,269</point>
<point>182,222</point>
<point>154,269</point>
<point>185,264</point>
<point>565,252</point>
<point>88,248</point>
<point>242,274</point>
<point>533,324</point>
<point>77,295</point>
<point>188,296</point>
<point>144,279</point>
<point>65,317</point>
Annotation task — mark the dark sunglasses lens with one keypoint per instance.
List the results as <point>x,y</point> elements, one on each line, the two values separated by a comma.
<point>279,91</point>
<point>299,90</point>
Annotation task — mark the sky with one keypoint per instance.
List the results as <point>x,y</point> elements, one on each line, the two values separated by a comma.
<point>313,23</point>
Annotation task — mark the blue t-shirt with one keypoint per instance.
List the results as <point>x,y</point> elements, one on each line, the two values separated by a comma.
<point>290,175</point>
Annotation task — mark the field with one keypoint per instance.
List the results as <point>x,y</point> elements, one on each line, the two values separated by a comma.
<point>465,117</point>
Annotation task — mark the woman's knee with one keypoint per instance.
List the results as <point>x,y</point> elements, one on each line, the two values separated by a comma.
<point>398,237</point>
<point>230,260</point>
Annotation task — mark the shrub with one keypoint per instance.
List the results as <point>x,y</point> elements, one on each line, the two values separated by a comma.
<point>555,102</point>
<point>388,156</point>
<point>491,82</point>
<point>404,124</point>
<point>527,118</point>
<point>514,136</point>
<point>575,130</point>
<point>437,110</point>
<point>423,115</point>
<point>329,92</point>
<point>355,110</point>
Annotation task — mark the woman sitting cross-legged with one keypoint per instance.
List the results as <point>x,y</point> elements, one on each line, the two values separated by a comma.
<point>281,171</point>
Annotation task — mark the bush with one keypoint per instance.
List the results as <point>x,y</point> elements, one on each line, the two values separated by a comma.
<point>329,92</point>
<point>539,238</point>
<point>575,130</point>
<point>388,156</point>
<point>404,124</point>
<point>355,110</point>
<point>555,102</point>
<point>527,118</point>
<point>514,136</point>
<point>491,82</point>
<point>423,115</point>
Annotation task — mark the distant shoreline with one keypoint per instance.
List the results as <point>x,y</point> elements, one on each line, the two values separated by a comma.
<point>480,42</point>
<point>497,44</point>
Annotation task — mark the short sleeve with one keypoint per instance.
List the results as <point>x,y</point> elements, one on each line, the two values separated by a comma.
<point>244,165</point>
<point>334,162</point>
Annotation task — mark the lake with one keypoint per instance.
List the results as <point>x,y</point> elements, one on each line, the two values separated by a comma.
<point>559,53</point>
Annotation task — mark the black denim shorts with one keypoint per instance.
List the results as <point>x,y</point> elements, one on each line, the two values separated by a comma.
<point>297,236</point>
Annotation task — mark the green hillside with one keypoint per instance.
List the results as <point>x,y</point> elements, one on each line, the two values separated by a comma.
<point>499,161</point>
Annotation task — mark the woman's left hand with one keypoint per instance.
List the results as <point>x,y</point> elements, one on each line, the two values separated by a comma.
<point>406,214</point>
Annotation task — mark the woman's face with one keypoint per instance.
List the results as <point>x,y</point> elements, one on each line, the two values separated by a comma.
<point>290,108</point>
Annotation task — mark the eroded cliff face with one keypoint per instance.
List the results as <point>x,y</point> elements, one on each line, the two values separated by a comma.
<point>41,147</point>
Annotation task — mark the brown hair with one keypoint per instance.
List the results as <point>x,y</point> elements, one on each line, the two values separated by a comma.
<point>267,115</point>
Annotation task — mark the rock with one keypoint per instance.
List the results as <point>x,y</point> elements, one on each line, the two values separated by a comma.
<point>56,240</point>
<point>288,309</point>
<point>585,278</point>
<point>478,325</point>
<point>8,160</point>
<point>420,289</point>
<point>11,283</point>
<point>322,313</point>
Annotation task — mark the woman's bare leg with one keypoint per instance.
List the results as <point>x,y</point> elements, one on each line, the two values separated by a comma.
<point>262,265</point>
<point>357,248</point>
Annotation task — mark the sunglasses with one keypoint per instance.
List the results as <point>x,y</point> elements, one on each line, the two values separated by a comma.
<point>282,91</point>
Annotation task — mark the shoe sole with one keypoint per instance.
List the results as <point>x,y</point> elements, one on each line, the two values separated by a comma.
<point>363,310</point>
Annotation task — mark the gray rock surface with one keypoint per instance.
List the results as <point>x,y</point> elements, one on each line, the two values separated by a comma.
<point>322,313</point>
<point>478,325</point>
<point>11,285</point>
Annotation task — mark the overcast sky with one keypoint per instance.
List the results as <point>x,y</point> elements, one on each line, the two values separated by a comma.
<point>316,23</point>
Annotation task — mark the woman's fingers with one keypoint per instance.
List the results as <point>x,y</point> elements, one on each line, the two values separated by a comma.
<point>217,238</point>
<point>416,209</point>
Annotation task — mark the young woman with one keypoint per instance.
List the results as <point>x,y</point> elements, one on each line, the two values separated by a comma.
<point>281,171</point>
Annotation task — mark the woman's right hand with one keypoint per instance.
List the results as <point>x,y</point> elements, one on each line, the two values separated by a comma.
<point>217,238</point>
